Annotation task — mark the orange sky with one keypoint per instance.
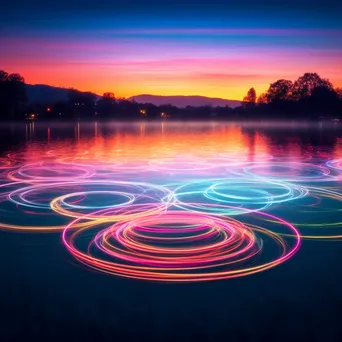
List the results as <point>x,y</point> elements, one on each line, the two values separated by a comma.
<point>136,65</point>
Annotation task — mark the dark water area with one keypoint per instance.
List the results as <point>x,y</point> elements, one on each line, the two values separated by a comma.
<point>279,183</point>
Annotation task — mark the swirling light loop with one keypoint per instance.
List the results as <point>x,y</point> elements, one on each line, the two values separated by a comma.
<point>140,248</point>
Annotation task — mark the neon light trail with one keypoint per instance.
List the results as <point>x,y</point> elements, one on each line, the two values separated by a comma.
<point>154,207</point>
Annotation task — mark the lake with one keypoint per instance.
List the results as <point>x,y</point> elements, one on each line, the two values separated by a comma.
<point>158,231</point>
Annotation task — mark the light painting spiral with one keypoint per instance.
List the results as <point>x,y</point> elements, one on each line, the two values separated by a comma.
<point>169,213</point>
<point>177,246</point>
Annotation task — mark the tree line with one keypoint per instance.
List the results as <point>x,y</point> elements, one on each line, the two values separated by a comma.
<point>309,97</point>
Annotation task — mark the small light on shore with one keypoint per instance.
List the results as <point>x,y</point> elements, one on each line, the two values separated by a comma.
<point>164,115</point>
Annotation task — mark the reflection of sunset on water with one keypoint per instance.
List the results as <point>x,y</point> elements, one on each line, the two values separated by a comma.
<point>172,201</point>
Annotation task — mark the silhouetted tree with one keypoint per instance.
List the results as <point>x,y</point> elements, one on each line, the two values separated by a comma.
<point>106,106</point>
<point>323,100</point>
<point>262,99</point>
<point>309,97</point>
<point>251,97</point>
<point>12,93</point>
<point>109,95</point>
<point>83,103</point>
<point>3,76</point>
<point>305,84</point>
<point>280,90</point>
<point>324,93</point>
<point>128,109</point>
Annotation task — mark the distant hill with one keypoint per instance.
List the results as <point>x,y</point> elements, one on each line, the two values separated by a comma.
<point>42,93</point>
<point>183,101</point>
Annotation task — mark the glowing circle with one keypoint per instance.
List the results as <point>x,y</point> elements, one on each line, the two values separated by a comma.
<point>318,215</point>
<point>288,172</point>
<point>50,172</point>
<point>216,196</point>
<point>178,246</point>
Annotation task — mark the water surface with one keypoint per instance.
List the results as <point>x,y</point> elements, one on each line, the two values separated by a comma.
<point>196,205</point>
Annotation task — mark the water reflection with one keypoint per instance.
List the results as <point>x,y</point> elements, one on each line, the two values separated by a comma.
<point>173,201</point>
<point>148,139</point>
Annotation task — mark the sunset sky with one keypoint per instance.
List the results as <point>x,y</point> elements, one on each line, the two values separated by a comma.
<point>211,48</point>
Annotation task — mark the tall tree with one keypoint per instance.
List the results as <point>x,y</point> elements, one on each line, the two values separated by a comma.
<point>106,105</point>
<point>251,97</point>
<point>305,84</point>
<point>12,93</point>
<point>280,90</point>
